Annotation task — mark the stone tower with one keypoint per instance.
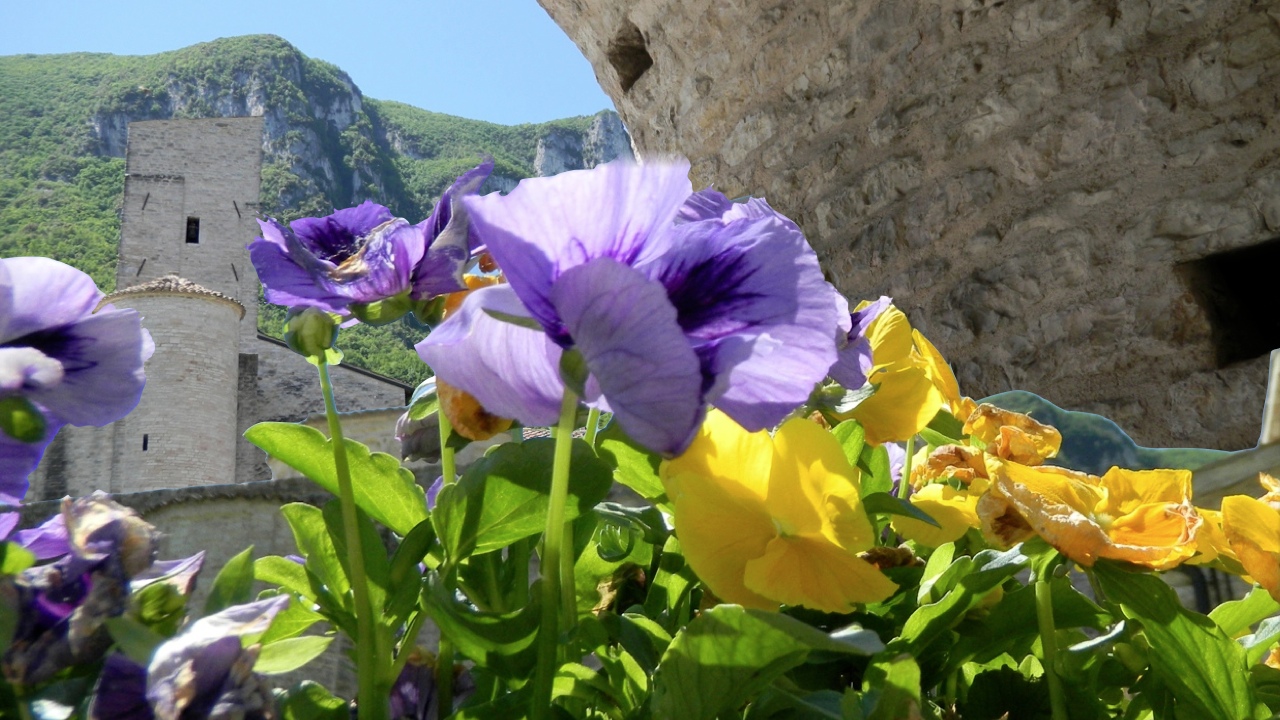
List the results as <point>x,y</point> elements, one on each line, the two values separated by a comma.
<point>190,204</point>
<point>184,428</point>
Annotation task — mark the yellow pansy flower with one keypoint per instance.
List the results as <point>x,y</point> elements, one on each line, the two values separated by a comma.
<point>947,486</point>
<point>1013,435</point>
<point>1252,528</point>
<point>766,521</point>
<point>1139,516</point>
<point>914,382</point>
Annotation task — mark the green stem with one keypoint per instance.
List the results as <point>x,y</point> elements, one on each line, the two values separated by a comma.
<point>446,651</point>
<point>518,559</point>
<point>448,468</point>
<point>552,540</point>
<point>407,645</point>
<point>1049,646</point>
<point>371,701</point>
<point>905,482</point>
<point>593,426</point>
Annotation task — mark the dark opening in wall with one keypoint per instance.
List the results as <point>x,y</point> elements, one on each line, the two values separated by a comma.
<point>193,230</point>
<point>145,438</point>
<point>628,55</point>
<point>1237,290</point>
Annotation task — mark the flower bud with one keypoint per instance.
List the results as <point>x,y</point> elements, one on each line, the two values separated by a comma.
<point>21,420</point>
<point>312,333</point>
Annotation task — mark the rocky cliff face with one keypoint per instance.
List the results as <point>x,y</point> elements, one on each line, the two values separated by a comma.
<point>1045,185</point>
<point>324,144</point>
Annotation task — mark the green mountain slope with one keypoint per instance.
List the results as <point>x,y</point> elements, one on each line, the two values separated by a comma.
<point>63,121</point>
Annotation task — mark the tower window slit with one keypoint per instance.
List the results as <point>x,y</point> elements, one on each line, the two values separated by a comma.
<point>145,438</point>
<point>193,230</point>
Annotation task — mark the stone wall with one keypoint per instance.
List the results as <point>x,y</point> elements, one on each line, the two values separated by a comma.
<point>1026,177</point>
<point>204,170</point>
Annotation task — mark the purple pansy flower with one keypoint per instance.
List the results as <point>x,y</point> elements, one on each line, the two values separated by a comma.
<point>854,359</point>
<point>673,299</point>
<point>364,255</point>
<point>45,542</point>
<point>62,607</point>
<point>201,673</point>
<point>414,697</point>
<point>74,362</point>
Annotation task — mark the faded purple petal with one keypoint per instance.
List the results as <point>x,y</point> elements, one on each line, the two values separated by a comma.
<point>897,460</point>
<point>854,359</point>
<point>181,573</point>
<point>627,331</point>
<point>284,281</point>
<point>451,238</point>
<point>48,540</point>
<point>753,302</point>
<point>547,225</point>
<point>121,692</point>
<point>434,491</point>
<point>335,238</point>
<point>861,319</point>
<point>8,521</point>
<point>512,371</point>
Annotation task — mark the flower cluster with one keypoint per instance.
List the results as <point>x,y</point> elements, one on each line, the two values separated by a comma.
<point>64,359</point>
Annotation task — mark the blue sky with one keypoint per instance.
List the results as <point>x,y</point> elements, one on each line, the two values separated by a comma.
<point>504,61</point>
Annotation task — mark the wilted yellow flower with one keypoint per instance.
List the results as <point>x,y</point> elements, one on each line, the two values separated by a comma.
<point>1252,528</point>
<point>453,301</point>
<point>1012,435</point>
<point>766,521</point>
<point>948,484</point>
<point>1139,516</point>
<point>914,382</point>
<point>468,418</point>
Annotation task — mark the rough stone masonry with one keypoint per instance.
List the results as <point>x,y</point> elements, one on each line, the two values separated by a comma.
<point>1052,189</point>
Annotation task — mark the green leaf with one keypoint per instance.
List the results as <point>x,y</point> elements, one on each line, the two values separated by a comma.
<point>947,425</point>
<point>283,572</point>
<point>1236,616</point>
<point>234,583</point>
<point>377,567</point>
<point>874,463</point>
<point>135,640</point>
<point>852,437</point>
<point>14,558</point>
<point>669,599</point>
<point>517,320</point>
<point>503,497</point>
<point>291,622</point>
<point>634,466</point>
<point>928,622</point>
<point>502,643</point>
<point>883,502</point>
<point>644,639</point>
<point>311,701</point>
<point>776,703</point>
<point>728,654</point>
<point>891,688</point>
<point>595,569</point>
<point>382,487</point>
<point>1203,668</point>
<point>424,403</point>
<point>1258,643</point>
<point>161,607</point>
<point>290,654</point>
<point>328,581</point>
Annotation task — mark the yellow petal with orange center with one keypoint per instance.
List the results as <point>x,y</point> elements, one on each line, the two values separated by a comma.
<point>890,337</point>
<point>952,462</point>
<point>955,510</point>
<point>467,416</point>
<point>1156,535</point>
<point>1252,528</point>
<point>1012,435</point>
<point>812,572</point>
<point>723,449</point>
<point>1130,489</point>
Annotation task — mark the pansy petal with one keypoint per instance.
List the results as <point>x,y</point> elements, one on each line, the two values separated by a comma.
<point>1252,528</point>
<point>903,404</point>
<point>1128,489</point>
<point>1156,535</point>
<point>43,294</point>
<point>102,357</point>
<point>513,371</point>
<point>751,298</point>
<point>335,235</point>
<point>382,267</point>
<point>8,521</point>
<point>121,692</point>
<point>816,574</point>
<point>707,204</point>
<point>547,225</point>
<point>46,541</point>
<point>722,526</point>
<point>890,336</point>
<point>284,281</point>
<point>724,449</point>
<point>810,474</point>
<point>18,459</point>
<point>939,371</point>
<point>954,510</point>
<point>626,330</point>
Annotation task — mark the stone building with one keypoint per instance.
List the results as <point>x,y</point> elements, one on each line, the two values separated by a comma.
<point>1073,197</point>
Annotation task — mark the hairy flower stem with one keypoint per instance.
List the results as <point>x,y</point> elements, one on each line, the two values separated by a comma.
<point>905,481</point>
<point>1049,644</point>
<point>552,579</point>
<point>446,651</point>
<point>371,695</point>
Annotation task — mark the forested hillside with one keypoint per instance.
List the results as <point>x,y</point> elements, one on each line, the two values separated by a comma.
<point>63,133</point>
